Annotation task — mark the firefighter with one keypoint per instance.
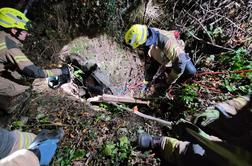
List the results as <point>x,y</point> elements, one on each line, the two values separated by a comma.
<point>164,48</point>
<point>22,148</point>
<point>227,124</point>
<point>14,63</point>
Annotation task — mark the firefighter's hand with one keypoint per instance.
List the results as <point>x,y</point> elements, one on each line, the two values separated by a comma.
<point>181,126</point>
<point>144,88</point>
<point>53,82</point>
<point>45,145</point>
<point>56,81</point>
<point>169,94</point>
<point>207,117</point>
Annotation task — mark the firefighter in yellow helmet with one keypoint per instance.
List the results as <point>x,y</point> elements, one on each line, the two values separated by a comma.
<point>14,63</point>
<point>165,48</point>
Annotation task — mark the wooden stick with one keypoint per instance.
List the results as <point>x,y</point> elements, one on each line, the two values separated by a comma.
<point>161,121</point>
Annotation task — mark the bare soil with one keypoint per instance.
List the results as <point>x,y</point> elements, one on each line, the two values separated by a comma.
<point>123,67</point>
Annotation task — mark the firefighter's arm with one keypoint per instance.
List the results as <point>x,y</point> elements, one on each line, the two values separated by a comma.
<point>232,107</point>
<point>226,109</point>
<point>17,57</point>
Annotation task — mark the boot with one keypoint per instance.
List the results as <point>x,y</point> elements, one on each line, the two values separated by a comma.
<point>146,141</point>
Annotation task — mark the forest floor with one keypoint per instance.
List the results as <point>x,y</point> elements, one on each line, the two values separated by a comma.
<point>103,134</point>
<point>94,134</point>
<point>217,36</point>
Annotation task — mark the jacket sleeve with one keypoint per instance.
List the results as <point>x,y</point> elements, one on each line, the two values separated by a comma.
<point>17,57</point>
<point>232,107</point>
<point>20,158</point>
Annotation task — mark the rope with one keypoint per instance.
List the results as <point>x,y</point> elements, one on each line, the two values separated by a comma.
<point>227,72</point>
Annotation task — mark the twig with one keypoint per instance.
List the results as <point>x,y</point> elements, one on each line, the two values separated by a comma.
<point>173,9</point>
<point>127,79</point>
<point>226,19</point>
<point>126,8</point>
<point>215,45</point>
<point>204,28</point>
<point>88,160</point>
<point>226,72</point>
<point>145,9</point>
<point>48,124</point>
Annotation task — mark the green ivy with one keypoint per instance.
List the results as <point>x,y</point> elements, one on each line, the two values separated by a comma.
<point>118,151</point>
<point>240,83</point>
<point>66,155</point>
<point>188,95</point>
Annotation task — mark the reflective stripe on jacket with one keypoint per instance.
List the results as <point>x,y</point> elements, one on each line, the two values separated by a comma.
<point>168,48</point>
<point>11,57</point>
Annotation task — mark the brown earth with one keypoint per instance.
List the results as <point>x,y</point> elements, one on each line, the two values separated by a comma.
<point>123,67</point>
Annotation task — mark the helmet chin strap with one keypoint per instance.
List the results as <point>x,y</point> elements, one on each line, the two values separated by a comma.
<point>16,34</point>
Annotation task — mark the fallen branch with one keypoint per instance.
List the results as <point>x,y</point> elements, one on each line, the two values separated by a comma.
<point>226,72</point>
<point>135,111</point>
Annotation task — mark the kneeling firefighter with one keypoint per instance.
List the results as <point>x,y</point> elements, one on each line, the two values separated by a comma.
<point>164,48</point>
<point>14,64</point>
<point>23,149</point>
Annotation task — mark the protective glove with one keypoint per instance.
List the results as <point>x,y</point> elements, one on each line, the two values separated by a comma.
<point>45,145</point>
<point>53,82</point>
<point>207,117</point>
<point>169,94</point>
<point>146,141</point>
<point>181,126</point>
<point>144,88</point>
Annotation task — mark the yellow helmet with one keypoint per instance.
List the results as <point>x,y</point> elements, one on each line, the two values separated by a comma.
<point>136,35</point>
<point>12,18</point>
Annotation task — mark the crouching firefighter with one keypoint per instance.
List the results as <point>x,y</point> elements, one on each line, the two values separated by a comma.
<point>22,148</point>
<point>164,48</point>
<point>14,63</point>
<point>221,135</point>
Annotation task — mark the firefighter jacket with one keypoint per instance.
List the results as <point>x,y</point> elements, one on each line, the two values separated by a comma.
<point>12,58</point>
<point>169,51</point>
